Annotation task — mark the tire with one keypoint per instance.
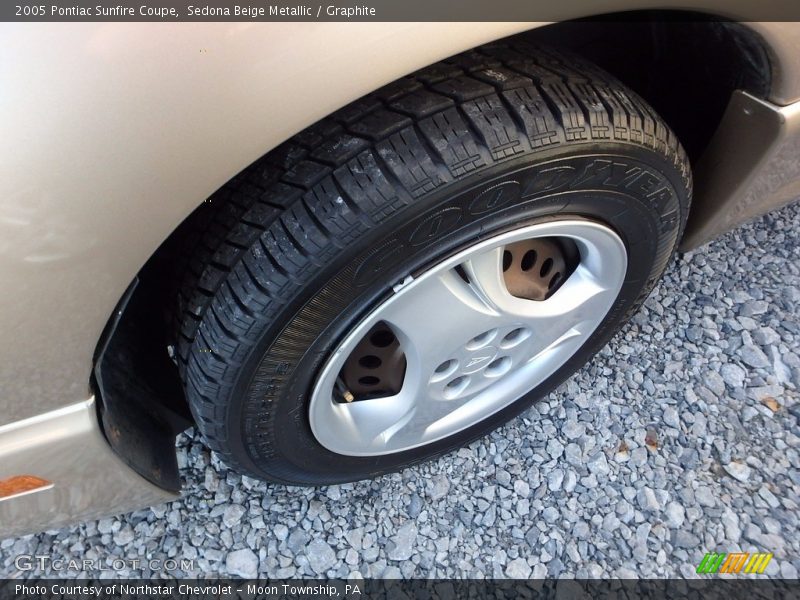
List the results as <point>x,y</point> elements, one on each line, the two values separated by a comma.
<point>292,254</point>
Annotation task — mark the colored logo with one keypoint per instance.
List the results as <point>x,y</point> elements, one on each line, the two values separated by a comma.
<point>735,562</point>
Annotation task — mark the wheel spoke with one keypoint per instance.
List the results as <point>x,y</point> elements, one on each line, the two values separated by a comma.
<point>485,272</point>
<point>573,306</point>
<point>374,421</point>
<point>577,305</point>
<point>441,308</point>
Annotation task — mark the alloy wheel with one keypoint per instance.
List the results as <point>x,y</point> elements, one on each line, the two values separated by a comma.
<point>467,337</point>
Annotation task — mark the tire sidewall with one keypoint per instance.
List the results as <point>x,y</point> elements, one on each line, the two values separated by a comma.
<point>631,189</point>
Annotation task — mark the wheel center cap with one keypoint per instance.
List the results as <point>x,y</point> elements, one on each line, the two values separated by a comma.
<point>479,359</point>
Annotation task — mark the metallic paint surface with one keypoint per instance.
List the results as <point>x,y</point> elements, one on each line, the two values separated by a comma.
<point>67,448</point>
<point>783,43</point>
<point>752,165</point>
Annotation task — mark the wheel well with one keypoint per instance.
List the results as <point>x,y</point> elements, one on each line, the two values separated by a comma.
<point>685,65</point>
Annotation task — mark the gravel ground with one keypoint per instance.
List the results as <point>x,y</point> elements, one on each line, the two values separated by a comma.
<point>681,437</point>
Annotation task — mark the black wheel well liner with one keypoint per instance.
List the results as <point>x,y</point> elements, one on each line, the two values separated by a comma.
<point>685,65</point>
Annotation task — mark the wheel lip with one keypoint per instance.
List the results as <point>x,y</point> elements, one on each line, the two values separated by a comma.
<point>321,396</point>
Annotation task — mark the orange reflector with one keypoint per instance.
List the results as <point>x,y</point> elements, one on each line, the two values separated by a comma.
<point>22,484</point>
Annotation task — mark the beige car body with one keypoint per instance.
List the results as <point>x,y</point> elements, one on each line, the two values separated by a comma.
<point>113,133</point>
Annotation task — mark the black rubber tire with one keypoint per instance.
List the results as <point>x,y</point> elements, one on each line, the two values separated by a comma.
<point>288,256</point>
